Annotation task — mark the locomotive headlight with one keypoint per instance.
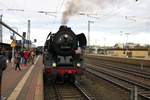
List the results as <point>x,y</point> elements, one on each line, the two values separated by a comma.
<point>78,64</point>
<point>54,64</point>
<point>66,36</point>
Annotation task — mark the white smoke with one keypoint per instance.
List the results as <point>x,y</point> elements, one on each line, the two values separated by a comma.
<point>75,6</point>
<point>72,7</point>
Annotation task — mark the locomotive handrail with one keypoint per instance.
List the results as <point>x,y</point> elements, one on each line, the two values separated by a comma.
<point>48,35</point>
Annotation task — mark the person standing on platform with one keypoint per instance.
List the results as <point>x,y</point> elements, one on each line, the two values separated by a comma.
<point>26,56</point>
<point>17,60</point>
<point>22,57</point>
<point>32,56</point>
<point>3,66</point>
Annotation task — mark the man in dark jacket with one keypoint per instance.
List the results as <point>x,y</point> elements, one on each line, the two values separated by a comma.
<point>3,66</point>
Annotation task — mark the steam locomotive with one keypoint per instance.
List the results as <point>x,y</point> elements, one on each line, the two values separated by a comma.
<point>63,55</point>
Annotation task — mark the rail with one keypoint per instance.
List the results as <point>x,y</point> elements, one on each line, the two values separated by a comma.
<point>71,91</point>
<point>121,81</point>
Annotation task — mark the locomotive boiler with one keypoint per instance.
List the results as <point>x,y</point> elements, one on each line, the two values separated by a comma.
<point>63,55</point>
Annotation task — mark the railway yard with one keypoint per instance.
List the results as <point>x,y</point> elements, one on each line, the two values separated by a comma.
<point>106,80</point>
<point>133,80</point>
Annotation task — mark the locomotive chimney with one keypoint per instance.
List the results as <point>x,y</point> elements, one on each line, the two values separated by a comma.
<point>63,27</point>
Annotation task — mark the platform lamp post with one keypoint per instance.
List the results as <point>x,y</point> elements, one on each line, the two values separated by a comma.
<point>89,22</point>
<point>13,44</point>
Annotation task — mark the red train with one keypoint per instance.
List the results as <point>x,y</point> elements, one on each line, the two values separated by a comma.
<point>63,53</point>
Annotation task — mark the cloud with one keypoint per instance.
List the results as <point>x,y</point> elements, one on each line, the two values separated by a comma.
<point>109,17</point>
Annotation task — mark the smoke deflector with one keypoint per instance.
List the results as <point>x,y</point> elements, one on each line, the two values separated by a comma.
<point>82,40</point>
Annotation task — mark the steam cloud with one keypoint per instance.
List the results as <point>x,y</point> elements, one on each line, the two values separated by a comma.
<point>72,8</point>
<point>75,6</point>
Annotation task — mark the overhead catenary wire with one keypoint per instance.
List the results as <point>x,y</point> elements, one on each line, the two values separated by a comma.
<point>51,13</point>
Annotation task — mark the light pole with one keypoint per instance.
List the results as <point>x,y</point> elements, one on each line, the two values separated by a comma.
<point>121,34</point>
<point>89,22</point>
<point>127,37</point>
<point>13,48</point>
<point>127,34</point>
<point>28,36</point>
<point>104,46</point>
<point>1,30</point>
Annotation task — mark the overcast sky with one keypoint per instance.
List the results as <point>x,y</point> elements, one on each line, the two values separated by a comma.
<point>112,19</point>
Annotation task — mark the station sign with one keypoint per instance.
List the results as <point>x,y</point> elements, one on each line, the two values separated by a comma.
<point>13,44</point>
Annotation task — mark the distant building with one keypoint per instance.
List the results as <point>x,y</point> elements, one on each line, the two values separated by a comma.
<point>132,45</point>
<point>126,46</point>
<point>119,45</point>
<point>92,49</point>
<point>25,43</point>
<point>133,51</point>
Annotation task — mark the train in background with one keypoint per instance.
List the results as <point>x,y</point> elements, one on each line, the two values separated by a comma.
<point>63,55</point>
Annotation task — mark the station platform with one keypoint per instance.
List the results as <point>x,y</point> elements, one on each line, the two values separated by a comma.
<point>26,84</point>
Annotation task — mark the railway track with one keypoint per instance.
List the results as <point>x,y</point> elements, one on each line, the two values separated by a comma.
<point>68,91</point>
<point>126,79</point>
<point>138,67</point>
<point>135,76</point>
<point>136,70</point>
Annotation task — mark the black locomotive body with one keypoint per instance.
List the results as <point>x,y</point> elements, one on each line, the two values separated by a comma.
<point>63,54</point>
